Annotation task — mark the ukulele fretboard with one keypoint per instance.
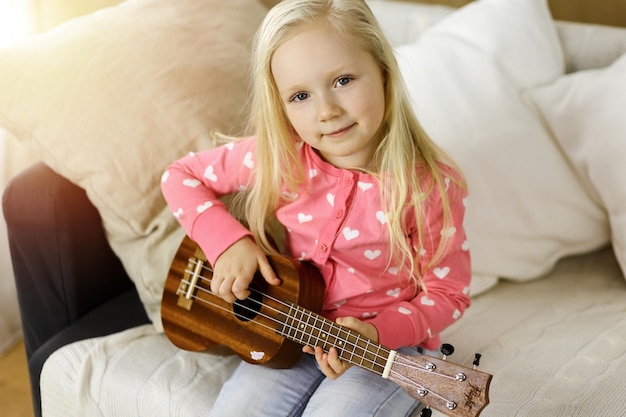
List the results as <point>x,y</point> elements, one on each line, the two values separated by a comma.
<point>311,329</point>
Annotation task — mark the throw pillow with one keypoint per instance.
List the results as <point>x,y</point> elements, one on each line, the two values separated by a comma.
<point>108,100</point>
<point>584,111</point>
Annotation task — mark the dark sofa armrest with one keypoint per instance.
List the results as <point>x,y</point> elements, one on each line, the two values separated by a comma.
<point>70,284</point>
<point>62,262</point>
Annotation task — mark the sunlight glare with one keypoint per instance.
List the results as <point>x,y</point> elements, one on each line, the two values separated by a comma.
<point>15,21</point>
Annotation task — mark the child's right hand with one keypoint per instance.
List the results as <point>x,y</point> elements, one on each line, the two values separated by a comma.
<point>234,270</point>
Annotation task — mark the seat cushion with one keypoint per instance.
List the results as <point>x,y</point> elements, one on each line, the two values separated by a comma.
<point>136,372</point>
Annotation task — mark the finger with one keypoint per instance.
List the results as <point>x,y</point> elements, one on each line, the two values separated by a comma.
<point>366,329</point>
<point>225,290</point>
<point>240,288</point>
<point>322,360</point>
<point>336,364</point>
<point>215,285</point>
<point>351,323</point>
<point>267,272</point>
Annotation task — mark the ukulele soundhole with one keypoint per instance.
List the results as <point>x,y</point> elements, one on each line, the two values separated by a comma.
<point>248,309</point>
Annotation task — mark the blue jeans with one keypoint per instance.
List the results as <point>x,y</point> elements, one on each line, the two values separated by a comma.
<point>303,390</point>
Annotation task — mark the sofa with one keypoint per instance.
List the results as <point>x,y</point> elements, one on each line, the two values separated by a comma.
<point>529,106</point>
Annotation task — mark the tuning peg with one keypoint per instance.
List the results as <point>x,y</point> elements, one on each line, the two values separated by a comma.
<point>426,412</point>
<point>446,349</point>
<point>477,357</point>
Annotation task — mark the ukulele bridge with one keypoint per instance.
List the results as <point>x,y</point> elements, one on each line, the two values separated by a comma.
<point>189,282</point>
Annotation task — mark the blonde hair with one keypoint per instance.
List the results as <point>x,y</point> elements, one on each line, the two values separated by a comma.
<point>404,144</point>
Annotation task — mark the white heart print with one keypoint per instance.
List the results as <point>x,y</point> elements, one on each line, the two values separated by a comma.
<point>365,185</point>
<point>340,303</point>
<point>350,234</point>
<point>165,176</point>
<point>448,232</point>
<point>209,173</point>
<point>441,273</point>
<point>204,207</point>
<point>191,182</point>
<point>404,310</point>
<point>372,254</point>
<point>248,161</point>
<point>304,218</point>
<point>427,301</point>
<point>394,293</point>
<point>330,197</point>
<point>382,217</point>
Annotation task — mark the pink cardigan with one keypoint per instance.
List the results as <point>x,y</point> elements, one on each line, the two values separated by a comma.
<point>336,223</point>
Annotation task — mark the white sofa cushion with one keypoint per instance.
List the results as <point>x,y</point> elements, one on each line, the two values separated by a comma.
<point>137,372</point>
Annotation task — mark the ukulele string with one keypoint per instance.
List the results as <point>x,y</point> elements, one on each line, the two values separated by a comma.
<point>288,327</point>
<point>297,322</point>
<point>354,346</point>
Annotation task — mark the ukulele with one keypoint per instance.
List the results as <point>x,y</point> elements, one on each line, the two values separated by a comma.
<point>270,326</point>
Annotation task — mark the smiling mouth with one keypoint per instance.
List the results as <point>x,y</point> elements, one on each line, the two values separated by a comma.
<point>340,132</point>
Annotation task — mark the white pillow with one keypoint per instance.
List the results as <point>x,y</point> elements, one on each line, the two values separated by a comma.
<point>110,99</point>
<point>465,76</point>
<point>404,22</point>
<point>585,112</point>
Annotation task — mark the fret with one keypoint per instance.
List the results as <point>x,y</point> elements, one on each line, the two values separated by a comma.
<point>288,327</point>
<point>309,329</point>
<point>366,349</point>
<point>300,325</point>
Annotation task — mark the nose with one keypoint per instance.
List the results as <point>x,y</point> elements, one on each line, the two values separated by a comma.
<point>328,108</point>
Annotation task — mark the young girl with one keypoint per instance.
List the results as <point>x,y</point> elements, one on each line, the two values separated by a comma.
<point>362,192</point>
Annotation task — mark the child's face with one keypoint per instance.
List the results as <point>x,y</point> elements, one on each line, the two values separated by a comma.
<point>333,93</point>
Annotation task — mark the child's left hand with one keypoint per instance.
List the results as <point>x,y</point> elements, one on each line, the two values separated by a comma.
<point>330,363</point>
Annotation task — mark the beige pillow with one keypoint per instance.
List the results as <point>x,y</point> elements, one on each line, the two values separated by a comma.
<point>108,100</point>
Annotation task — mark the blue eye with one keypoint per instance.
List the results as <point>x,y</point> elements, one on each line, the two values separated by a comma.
<point>343,80</point>
<point>299,97</point>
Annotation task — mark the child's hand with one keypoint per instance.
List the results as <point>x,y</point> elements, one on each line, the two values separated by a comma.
<point>330,363</point>
<point>234,269</point>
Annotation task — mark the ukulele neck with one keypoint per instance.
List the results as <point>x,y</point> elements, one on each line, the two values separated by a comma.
<point>307,328</point>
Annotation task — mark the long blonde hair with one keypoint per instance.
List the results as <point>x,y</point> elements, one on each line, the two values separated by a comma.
<point>404,144</point>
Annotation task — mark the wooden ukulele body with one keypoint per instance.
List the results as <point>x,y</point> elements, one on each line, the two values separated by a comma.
<point>250,328</point>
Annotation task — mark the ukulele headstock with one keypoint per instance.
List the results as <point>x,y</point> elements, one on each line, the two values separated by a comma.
<point>455,390</point>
